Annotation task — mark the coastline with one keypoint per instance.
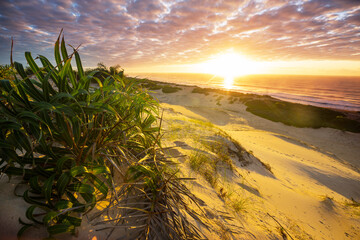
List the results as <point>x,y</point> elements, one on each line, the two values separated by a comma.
<point>303,89</point>
<point>315,172</point>
<point>250,173</point>
<point>352,115</point>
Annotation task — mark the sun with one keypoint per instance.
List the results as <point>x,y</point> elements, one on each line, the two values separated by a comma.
<point>229,65</point>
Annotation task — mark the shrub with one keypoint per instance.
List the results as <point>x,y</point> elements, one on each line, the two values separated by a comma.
<point>299,115</point>
<point>67,140</point>
<point>170,89</point>
<point>6,72</point>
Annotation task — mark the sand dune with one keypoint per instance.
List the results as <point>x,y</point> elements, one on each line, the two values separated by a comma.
<point>315,171</point>
<point>283,182</point>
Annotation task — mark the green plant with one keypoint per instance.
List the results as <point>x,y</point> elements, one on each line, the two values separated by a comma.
<point>6,72</point>
<point>170,89</point>
<point>67,139</point>
<point>154,204</point>
<point>238,204</point>
<point>197,160</point>
<point>201,90</point>
<point>298,115</point>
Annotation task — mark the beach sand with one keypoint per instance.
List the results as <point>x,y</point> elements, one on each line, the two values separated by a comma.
<point>285,182</point>
<point>315,171</point>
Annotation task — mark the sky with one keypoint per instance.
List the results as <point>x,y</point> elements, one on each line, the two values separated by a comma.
<point>319,37</point>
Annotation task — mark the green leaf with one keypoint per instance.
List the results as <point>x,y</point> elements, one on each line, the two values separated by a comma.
<point>74,220</point>
<point>61,228</point>
<point>29,116</point>
<point>30,214</point>
<point>34,67</point>
<point>32,201</point>
<point>63,204</point>
<point>89,198</point>
<point>100,185</point>
<point>99,170</point>
<point>47,189</point>
<point>63,85</point>
<point>22,230</point>
<point>20,70</point>
<point>57,52</point>
<point>8,124</point>
<point>49,217</point>
<point>34,184</point>
<point>5,84</point>
<point>63,49</point>
<point>63,182</point>
<point>60,163</point>
<point>62,95</point>
<point>50,68</point>
<point>81,188</point>
<point>79,65</point>
<point>78,170</point>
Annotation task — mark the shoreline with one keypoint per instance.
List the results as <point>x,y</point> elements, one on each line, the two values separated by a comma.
<point>311,99</point>
<point>353,112</point>
<point>336,118</point>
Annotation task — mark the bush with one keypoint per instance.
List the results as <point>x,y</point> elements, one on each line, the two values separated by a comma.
<point>170,89</point>
<point>299,115</point>
<point>6,72</point>
<point>67,140</point>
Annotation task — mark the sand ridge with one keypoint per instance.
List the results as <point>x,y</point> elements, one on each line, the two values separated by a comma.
<point>316,171</point>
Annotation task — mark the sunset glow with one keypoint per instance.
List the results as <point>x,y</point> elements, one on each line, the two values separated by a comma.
<point>312,37</point>
<point>227,65</point>
<point>180,119</point>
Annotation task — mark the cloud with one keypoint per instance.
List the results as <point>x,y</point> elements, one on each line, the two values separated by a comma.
<point>136,32</point>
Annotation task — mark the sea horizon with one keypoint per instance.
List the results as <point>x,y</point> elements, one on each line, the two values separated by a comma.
<point>336,92</point>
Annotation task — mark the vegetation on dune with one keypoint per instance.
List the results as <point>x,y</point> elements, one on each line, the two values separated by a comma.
<point>292,114</point>
<point>102,71</point>
<point>68,141</point>
<point>212,155</point>
<point>299,115</point>
<point>233,95</point>
<point>170,89</point>
<point>6,72</point>
<point>152,85</point>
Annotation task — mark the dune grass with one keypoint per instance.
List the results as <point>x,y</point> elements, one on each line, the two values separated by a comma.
<point>170,89</point>
<point>299,115</point>
<point>153,85</point>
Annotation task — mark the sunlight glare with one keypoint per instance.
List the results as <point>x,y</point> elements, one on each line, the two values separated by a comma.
<point>228,65</point>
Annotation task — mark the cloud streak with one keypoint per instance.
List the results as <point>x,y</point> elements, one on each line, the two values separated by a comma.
<point>154,32</point>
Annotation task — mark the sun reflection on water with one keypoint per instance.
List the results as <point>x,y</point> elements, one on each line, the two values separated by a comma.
<point>228,82</point>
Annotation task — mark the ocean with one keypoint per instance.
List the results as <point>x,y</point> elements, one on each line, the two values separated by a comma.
<point>336,92</point>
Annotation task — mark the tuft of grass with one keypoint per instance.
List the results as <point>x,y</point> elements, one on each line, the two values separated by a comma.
<point>204,91</point>
<point>238,204</point>
<point>206,124</point>
<point>198,160</point>
<point>203,164</point>
<point>210,177</point>
<point>220,149</point>
<point>170,89</point>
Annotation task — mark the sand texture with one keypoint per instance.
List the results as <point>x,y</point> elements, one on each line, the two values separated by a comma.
<point>314,172</point>
<point>257,179</point>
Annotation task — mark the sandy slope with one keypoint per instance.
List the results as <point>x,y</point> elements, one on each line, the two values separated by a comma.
<point>315,171</point>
